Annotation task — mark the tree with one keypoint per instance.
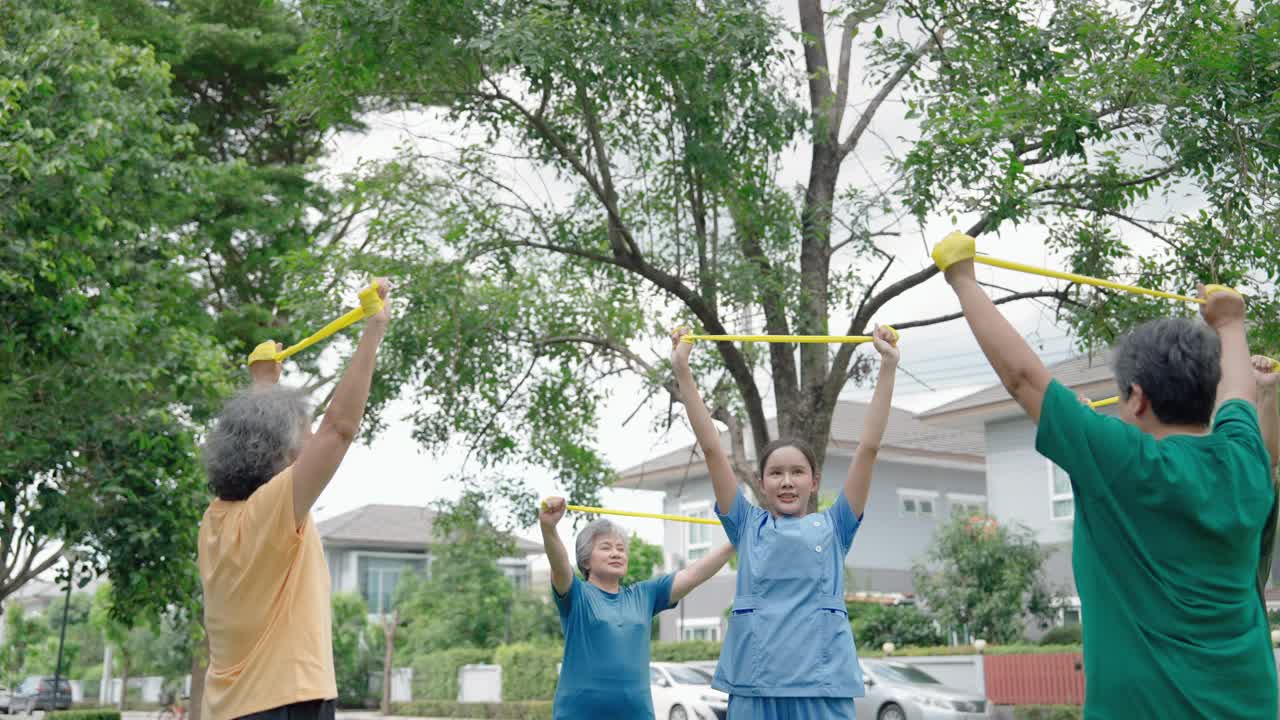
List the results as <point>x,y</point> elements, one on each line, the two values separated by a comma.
<point>22,635</point>
<point>642,559</point>
<point>351,654</point>
<point>106,362</point>
<point>661,128</point>
<point>983,579</point>
<point>875,624</point>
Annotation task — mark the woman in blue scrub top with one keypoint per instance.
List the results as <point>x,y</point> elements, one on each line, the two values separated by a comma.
<point>789,653</point>
<point>605,670</point>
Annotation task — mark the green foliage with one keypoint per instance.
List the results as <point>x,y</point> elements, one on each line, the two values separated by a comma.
<point>110,348</point>
<point>526,710</point>
<point>533,619</point>
<point>528,671</point>
<point>685,651</point>
<point>85,714</point>
<point>903,625</point>
<point>1064,635</point>
<point>984,578</point>
<point>352,658</point>
<point>466,600</point>
<point>435,675</point>
<point>642,558</point>
<point>22,636</point>
<point>1048,712</point>
<point>951,650</point>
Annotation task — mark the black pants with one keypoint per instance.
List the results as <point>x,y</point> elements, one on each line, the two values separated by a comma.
<point>308,710</point>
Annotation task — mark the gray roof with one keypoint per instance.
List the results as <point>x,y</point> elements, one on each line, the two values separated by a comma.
<point>904,437</point>
<point>390,527</point>
<point>1078,372</point>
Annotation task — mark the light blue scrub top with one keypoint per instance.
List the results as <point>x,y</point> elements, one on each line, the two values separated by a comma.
<point>789,631</point>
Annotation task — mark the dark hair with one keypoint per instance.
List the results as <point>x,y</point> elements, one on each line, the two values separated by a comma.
<point>804,448</point>
<point>1177,362</point>
<point>253,439</point>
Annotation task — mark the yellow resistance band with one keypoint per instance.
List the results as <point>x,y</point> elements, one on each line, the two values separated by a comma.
<point>370,304</point>
<point>628,513</point>
<point>1275,367</point>
<point>805,339</point>
<point>1083,279</point>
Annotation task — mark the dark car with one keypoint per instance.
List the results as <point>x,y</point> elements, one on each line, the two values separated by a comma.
<point>36,693</point>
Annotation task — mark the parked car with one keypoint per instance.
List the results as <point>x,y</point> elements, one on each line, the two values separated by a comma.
<point>683,692</point>
<point>898,691</point>
<point>6,705</point>
<point>36,693</point>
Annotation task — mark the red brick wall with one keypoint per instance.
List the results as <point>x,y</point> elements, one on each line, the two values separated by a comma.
<point>1056,679</point>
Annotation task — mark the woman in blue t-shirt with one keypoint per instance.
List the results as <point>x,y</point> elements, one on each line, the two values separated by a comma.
<point>789,653</point>
<point>605,670</point>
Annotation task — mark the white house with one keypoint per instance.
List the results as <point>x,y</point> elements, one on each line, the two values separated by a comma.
<point>368,548</point>
<point>924,472</point>
<point>1024,487</point>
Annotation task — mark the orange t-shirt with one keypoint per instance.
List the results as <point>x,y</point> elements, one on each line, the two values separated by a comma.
<point>266,605</point>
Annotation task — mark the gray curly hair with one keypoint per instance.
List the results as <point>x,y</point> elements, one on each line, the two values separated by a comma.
<point>256,435</point>
<point>586,542</point>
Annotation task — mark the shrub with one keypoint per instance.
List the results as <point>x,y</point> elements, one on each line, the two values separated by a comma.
<point>85,714</point>
<point>685,650</point>
<point>528,671</point>
<point>1064,635</point>
<point>1048,712</point>
<point>435,675</point>
<point>531,710</point>
<point>874,625</point>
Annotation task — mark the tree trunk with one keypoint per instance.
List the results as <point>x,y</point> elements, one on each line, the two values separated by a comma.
<point>124,679</point>
<point>389,624</point>
<point>199,666</point>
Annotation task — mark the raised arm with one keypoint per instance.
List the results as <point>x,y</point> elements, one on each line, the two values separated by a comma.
<point>326,449</point>
<point>1016,364</point>
<point>700,571</point>
<point>561,567</point>
<point>266,372</point>
<point>1223,310</point>
<point>857,486</point>
<point>723,480</point>
<point>1267,376</point>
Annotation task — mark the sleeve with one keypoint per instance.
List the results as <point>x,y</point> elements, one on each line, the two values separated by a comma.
<point>1081,441</point>
<point>658,593</point>
<point>843,521</point>
<point>1237,420</point>
<point>738,517</point>
<point>268,513</point>
<point>564,603</point>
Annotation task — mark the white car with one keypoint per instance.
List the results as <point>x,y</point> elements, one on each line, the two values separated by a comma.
<point>683,692</point>
<point>898,691</point>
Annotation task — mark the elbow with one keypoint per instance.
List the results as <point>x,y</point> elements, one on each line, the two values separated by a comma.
<point>344,431</point>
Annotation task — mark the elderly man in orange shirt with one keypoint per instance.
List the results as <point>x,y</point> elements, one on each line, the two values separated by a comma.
<point>266,584</point>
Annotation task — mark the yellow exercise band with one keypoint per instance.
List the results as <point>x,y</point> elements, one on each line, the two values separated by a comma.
<point>798,339</point>
<point>1275,367</point>
<point>370,304</point>
<point>628,513</point>
<point>1082,279</point>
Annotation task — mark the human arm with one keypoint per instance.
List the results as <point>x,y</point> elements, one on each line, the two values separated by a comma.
<point>857,485</point>
<point>723,480</point>
<point>561,567</point>
<point>700,571</point>
<point>1223,310</point>
<point>1267,376</point>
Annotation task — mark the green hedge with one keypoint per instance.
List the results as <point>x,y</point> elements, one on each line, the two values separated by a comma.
<point>969,650</point>
<point>685,650</point>
<point>535,710</point>
<point>90,714</point>
<point>1064,635</point>
<point>528,671</point>
<point>435,675</point>
<point>1048,712</point>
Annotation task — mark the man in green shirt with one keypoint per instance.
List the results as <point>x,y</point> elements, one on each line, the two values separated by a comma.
<point>1169,511</point>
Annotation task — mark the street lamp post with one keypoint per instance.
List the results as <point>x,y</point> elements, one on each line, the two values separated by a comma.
<point>62,635</point>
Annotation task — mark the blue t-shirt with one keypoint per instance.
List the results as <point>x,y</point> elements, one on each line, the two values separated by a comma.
<point>605,671</point>
<point>789,633</point>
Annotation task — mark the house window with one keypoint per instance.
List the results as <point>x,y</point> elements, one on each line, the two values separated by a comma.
<point>706,629</point>
<point>917,503</point>
<point>517,571</point>
<point>1062,505</point>
<point>378,579</point>
<point>697,538</point>
<point>967,504</point>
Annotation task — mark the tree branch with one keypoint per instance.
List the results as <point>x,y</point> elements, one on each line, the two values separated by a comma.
<point>869,113</point>
<point>1060,295</point>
